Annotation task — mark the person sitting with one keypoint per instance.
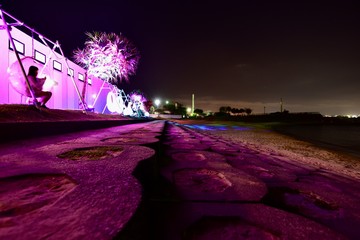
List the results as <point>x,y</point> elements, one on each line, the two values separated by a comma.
<point>37,85</point>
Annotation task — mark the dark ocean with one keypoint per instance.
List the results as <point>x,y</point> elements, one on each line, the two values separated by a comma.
<point>344,138</point>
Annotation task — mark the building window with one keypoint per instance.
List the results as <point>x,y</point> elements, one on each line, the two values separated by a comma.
<point>89,81</point>
<point>81,77</point>
<point>20,47</point>
<point>57,65</point>
<point>40,57</point>
<point>70,72</point>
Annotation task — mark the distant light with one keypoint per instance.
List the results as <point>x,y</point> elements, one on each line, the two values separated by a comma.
<point>188,109</point>
<point>93,96</point>
<point>157,102</point>
<point>167,102</point>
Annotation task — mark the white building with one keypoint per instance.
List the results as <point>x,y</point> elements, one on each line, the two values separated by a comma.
<point>53,64</point>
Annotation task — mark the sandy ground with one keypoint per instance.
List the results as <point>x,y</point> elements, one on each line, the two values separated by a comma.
<point>270,142</point>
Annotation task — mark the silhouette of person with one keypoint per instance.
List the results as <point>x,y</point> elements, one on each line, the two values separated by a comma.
<point>37,85</point>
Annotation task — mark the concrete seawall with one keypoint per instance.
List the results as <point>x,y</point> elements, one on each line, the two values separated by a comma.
<point>26,130</point>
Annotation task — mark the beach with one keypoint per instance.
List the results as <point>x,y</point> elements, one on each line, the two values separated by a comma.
<point>270,142</point>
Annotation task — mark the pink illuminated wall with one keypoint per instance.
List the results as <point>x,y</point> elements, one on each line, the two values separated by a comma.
<point>64,93</point>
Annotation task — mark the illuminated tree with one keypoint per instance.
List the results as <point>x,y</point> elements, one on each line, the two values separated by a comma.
<point>108,56</point>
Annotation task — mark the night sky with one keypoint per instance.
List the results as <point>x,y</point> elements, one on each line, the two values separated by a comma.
<point>237,53</point>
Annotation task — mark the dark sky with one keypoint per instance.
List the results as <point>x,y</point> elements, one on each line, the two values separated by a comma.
<point>230,52</point>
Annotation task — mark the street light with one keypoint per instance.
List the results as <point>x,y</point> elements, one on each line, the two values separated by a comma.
<point>157,102</point>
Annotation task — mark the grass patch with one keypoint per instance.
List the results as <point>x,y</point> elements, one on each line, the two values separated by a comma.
<point>92,153</point>
<point>119,140</point>
<point>257,125</point>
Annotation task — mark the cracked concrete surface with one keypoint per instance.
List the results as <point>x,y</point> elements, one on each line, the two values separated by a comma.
<point>159,180</point>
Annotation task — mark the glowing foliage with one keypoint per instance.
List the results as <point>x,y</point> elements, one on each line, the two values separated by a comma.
<point>137,100</point>
<point>137,96</point>
<point>108,56</point>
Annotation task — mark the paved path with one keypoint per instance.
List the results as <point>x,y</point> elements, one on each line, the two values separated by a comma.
<point>73,186</point>
<point>224,190</point>
<point>160,180</point>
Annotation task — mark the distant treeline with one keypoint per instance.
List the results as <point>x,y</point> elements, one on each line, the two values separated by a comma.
<point>286,117</point>
<point>234,111</point>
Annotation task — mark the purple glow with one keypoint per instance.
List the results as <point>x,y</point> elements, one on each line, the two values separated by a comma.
<point>12,84</point>
<point>17,79</point>
<point>108,56</point>
<point>217,127</point>
<point>137,97</point>
<point>115,103</point>
<point>137,100</point>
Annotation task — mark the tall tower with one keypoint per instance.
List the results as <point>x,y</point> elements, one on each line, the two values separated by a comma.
<point>281,105</point>
<point>192,103</point>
